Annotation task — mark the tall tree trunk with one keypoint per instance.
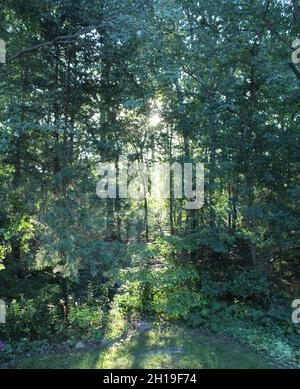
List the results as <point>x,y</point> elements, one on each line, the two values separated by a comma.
<point>146,220</point>
<point>118,203</point>
<point>212,173</point>
<point>247,142</point>
<point>171,200</point>
<point>190,213</point>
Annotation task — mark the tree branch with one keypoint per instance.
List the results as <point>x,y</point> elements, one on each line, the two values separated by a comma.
<point>200,81</point>
<point>267,10</point>
<point>58,40</point>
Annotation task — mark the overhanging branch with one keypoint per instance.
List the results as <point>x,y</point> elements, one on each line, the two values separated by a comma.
<point>58,40</point>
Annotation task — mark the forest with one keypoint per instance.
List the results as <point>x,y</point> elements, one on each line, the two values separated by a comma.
<point>93,277</point>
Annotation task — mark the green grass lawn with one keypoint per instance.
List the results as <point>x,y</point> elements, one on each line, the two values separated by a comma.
<point>160,347</point>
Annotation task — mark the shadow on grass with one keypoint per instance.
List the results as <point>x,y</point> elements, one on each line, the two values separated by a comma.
<point>160,347</point>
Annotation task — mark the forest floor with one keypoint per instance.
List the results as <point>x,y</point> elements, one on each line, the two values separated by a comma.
<point>156,347</point>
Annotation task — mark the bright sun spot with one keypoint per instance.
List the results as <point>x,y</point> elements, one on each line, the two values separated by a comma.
<point>154,120</point>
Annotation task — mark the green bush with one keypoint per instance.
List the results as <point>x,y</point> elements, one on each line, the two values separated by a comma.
<point>85,320</point>
<point>175,302</point>
<point>125,308</point>
<point>39,319</point>
<point>23,346</point>
<point>30,318</point>
<point>130,297</point>
<point>246,285</point>
<point>174,291</point>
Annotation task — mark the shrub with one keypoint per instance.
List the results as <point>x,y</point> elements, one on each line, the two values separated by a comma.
<point>85,320</point>
<point>247,285</point>
<point>30,318</point>
<point>39,319</point>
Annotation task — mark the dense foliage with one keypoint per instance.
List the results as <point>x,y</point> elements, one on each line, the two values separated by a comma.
<point>166,81</point>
